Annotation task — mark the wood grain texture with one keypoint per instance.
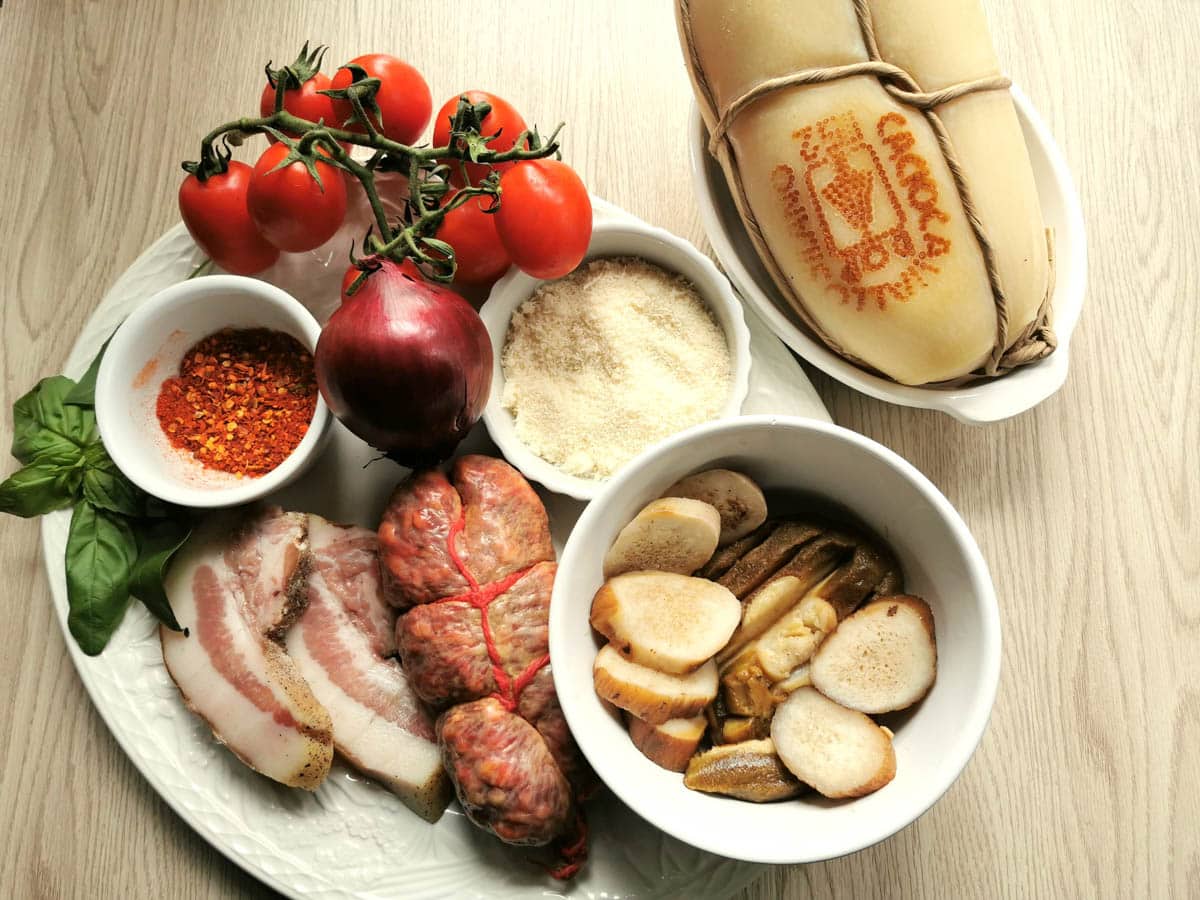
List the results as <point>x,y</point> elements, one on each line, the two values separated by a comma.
<point>1087,508</point>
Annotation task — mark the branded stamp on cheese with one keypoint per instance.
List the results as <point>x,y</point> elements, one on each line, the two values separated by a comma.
<point>864,209</point>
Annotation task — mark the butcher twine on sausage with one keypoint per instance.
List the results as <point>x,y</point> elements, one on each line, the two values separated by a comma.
<point>471,560</point>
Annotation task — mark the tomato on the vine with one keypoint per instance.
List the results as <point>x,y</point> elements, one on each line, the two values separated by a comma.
<point>304,102</point>
<point>478,251</point>
<point>403,98</point>
<point>290,208</point>
<point>503,118</point>
<point>218,219</point>
<point>545,217</point>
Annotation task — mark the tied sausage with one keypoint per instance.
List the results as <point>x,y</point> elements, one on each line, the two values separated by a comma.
<point>469,558</point>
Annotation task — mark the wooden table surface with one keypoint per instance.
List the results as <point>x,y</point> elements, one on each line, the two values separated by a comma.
<point>1087,508</point>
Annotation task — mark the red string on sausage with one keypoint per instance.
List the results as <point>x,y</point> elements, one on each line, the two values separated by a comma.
<point>509,690</point>
<point>572,850</point>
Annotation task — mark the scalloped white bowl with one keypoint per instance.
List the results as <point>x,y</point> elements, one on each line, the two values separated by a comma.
<point>623,237</point>
<point>146,350</point>
<point>975,404</point>
<point>941,562</point>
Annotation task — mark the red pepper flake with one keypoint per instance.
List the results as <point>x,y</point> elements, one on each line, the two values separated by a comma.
<point>253,389</point>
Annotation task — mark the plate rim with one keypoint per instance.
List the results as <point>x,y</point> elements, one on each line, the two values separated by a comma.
<point>88,340</point>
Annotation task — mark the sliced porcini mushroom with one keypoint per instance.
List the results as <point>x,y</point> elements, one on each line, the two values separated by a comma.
<point>801,677</point>
<point>766,559</point>
<point>670,744</point>
<point>749,770</point>
<point>652,696</point>
<point>747,679</point>
<point>853,581</point>
<point>736,729</point>
<point>884,657</point>
<point>804,572</point>
<point>726,556</point>
<point>674,534</point>
<point>737,499</point>
<point>669,622</point>
<point>839,751</point>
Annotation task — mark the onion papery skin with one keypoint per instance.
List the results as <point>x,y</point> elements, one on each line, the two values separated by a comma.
<point>406,365</point>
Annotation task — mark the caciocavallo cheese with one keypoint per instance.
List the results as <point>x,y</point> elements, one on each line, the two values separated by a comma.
<point>858,216</point>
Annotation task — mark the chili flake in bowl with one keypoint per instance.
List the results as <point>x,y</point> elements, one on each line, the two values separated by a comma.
<point>242,401</point>
<point>207,396</point>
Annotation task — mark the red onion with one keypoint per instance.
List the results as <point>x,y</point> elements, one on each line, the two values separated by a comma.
<point>406,365</point>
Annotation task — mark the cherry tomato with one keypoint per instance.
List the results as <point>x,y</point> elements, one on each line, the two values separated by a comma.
<point>503,118</point>
<point>303,102</point>
<point>403,97</point>
<point>218,220</point>
<point>291,210</point>
<point>545,217</point>
<point>408,267</point>
<point>480,255</point>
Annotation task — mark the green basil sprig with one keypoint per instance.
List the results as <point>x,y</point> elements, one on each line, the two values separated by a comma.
<point>120,539</point>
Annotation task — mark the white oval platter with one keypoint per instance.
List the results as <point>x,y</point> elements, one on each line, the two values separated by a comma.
<point>352,839</point>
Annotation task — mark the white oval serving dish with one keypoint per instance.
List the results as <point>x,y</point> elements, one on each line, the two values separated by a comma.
<point>941,563</point>
<point>975,404</point>
<point>610,237</point>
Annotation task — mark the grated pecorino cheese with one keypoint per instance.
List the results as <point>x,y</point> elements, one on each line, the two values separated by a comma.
<point>610,359</point>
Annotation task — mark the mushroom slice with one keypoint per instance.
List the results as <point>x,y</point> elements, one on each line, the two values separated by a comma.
<point>838,751</point>
<point>651,695</point>
<point>739,500</point>
<point>750,770</point>
<point>880,659</point>
<point>669,535</point>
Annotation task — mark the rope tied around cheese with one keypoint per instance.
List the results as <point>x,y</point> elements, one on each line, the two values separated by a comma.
<point>1037,340</point>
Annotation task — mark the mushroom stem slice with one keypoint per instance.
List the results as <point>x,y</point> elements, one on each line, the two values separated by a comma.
<point>750,770</point>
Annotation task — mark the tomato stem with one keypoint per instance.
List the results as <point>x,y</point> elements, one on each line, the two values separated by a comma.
<point>412,236</point>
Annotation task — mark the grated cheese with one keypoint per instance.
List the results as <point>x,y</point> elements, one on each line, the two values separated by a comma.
<point>610,359</point>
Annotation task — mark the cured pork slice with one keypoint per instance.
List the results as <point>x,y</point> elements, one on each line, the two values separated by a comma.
<point>235,580</point>
<point>339,643</point>
<point>271,563</point>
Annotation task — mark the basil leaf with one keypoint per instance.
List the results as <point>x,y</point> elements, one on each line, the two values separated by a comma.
<point>84,393</point>
<point>101,551</point>
<point>158,509</point>
<point>106,487</point>
<point>38,489</point>
<point>157,543</point>
<point>45,427</point>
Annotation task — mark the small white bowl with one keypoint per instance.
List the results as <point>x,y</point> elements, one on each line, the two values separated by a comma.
<point>941,562</point>
<point>976,404</point>
<point>147,349</point>
<point>610,239</point>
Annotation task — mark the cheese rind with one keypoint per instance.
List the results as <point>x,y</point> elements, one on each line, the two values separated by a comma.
<point>861,222</point>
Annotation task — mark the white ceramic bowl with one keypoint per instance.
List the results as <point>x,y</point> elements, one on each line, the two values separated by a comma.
<point>147,349</point>
<point>609,239</point>
<point>975,404</point>
<point>941,563</point>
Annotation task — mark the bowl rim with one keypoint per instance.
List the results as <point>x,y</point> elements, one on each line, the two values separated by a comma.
<point>973,724</point>
<point>124,343</point>
<point>505,298</point>
<point>976,404</point>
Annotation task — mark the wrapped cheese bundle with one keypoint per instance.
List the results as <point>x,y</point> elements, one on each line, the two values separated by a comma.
<point>836,123</point>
